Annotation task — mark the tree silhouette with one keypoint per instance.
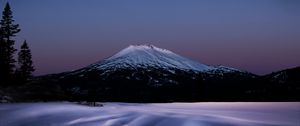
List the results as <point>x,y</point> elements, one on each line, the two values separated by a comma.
<point>3,64</point>
<point>7,31</point>
<point>25,69</point>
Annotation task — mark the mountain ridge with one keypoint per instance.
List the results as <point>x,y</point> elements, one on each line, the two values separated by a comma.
<point>143,56</point>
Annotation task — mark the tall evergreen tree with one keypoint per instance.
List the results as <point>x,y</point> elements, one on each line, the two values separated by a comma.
<point>3,62</point>
<point>25,68</point>
<point>7,31</point>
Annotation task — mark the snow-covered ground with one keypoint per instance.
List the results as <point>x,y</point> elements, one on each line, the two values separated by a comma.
<point>166,114</point>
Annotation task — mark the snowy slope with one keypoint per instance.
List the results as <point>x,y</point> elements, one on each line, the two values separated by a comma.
<point>144,56</point>
<point>167,114</point>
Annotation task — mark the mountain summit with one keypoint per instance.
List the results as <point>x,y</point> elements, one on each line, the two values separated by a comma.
<point>146,56</point>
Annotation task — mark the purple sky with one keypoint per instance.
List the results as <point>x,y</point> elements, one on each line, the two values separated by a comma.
<point>259,36</point>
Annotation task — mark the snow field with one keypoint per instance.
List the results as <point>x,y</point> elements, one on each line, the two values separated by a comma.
<point>161,114</point>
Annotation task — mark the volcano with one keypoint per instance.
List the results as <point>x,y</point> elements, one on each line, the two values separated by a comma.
<point>146,73</point>
<point>148,57</point>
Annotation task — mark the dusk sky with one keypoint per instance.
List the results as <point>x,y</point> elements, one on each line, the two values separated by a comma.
<point>260,36</point>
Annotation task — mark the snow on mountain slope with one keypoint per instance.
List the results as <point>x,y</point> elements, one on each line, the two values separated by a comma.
<point>150,56</point>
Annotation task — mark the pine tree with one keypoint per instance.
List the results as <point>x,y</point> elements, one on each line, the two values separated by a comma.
<point>7,50</point>
<point>3,62</point>
<point>25,68</point>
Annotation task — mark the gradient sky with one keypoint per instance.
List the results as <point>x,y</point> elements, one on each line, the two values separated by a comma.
<point>259,36</point>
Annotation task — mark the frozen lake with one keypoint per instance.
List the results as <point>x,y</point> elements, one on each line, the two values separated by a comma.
<point>164,114</point>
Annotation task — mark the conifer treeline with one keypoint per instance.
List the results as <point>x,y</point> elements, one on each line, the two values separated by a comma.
<point>11,72</point>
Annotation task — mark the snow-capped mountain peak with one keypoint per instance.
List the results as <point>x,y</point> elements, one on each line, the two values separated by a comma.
<point>150,56</point>
<point>140,50</point>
